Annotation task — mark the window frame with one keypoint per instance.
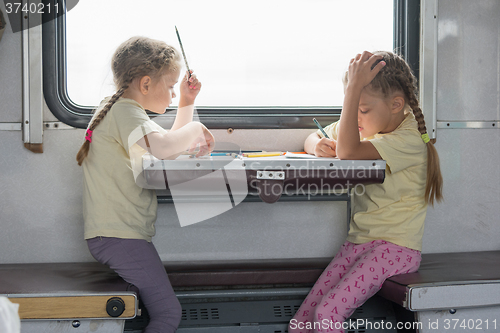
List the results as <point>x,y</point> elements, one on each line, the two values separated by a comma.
<point>406,40</point>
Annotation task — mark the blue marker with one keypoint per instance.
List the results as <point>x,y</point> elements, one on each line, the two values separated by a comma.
<point>220,154</point>
<point>321,128</point>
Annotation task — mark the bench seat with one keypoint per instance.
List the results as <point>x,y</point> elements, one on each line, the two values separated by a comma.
<point>444,281</point>
<point>245,272</point>
<point>448,281</point>
<point>65,290</point>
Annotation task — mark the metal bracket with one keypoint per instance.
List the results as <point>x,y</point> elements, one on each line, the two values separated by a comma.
<point>32,81</point>
<point>271,175</point>
<point>428,63</point>
<point>469,124</point>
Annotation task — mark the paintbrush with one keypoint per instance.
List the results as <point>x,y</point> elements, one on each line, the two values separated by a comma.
<point>182,50</point>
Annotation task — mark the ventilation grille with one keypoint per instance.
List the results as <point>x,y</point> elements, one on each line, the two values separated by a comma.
<point>200,314</point>
<point>361,330</point>
<point>285,311</point>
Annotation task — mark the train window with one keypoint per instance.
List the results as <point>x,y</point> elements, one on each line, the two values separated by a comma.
<point>280,57</point>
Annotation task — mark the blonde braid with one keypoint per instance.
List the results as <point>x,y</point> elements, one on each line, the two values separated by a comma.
<point>104,111</point>
<point>407,83</point>
<point>434,185</point>
<point>410,92</point>
<point>84,150</point>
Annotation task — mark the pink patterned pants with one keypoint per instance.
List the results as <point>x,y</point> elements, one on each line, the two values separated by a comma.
<point>355,274</point>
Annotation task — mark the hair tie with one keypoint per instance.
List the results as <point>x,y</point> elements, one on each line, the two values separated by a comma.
<point>425,137</point>
<point>89,135</point>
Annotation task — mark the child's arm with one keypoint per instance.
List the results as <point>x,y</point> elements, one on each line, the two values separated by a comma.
<point>321,147</point>
<point>189,89</point>
<point>173,143</point>
<point>349,145</point>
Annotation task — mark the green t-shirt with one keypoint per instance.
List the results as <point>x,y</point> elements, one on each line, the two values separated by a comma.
<point>113,204</point>
<point>395,210</point>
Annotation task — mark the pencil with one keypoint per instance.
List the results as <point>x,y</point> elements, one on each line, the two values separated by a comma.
<point>263,154</point>
<point>321,128</point>
<point>221,154</point>
<point>182,50</point>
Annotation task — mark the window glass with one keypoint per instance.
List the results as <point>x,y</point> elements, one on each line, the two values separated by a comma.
<point>246,53</point>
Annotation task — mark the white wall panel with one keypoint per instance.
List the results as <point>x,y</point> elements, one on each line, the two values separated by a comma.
<point>468,219</point>
<point>468,77</point>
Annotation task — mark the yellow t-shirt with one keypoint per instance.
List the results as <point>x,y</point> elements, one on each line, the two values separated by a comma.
<point>395,210</point>
<point>113,204</point>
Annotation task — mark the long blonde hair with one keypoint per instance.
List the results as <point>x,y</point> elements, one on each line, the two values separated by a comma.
<point>397,76</point>
<point>135,58</point>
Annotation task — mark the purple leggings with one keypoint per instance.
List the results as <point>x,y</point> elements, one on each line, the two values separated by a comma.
<point>355,274</point>
<point>138,263</point>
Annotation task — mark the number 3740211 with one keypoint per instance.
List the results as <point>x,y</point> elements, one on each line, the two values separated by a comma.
<point>465,324</point>
<point>33,8</point>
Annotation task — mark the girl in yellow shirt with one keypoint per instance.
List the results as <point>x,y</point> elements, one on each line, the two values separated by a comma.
<point>381,119</point>
<point>119,215</point>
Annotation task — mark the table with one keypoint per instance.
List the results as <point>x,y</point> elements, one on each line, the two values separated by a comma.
<point>226,181</point>
<point>268,177</point>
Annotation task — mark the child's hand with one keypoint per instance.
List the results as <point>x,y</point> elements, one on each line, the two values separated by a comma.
<point>189,88</point>
<point>205,141</point>
<point>325,148</point>
<point>360,69</point>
